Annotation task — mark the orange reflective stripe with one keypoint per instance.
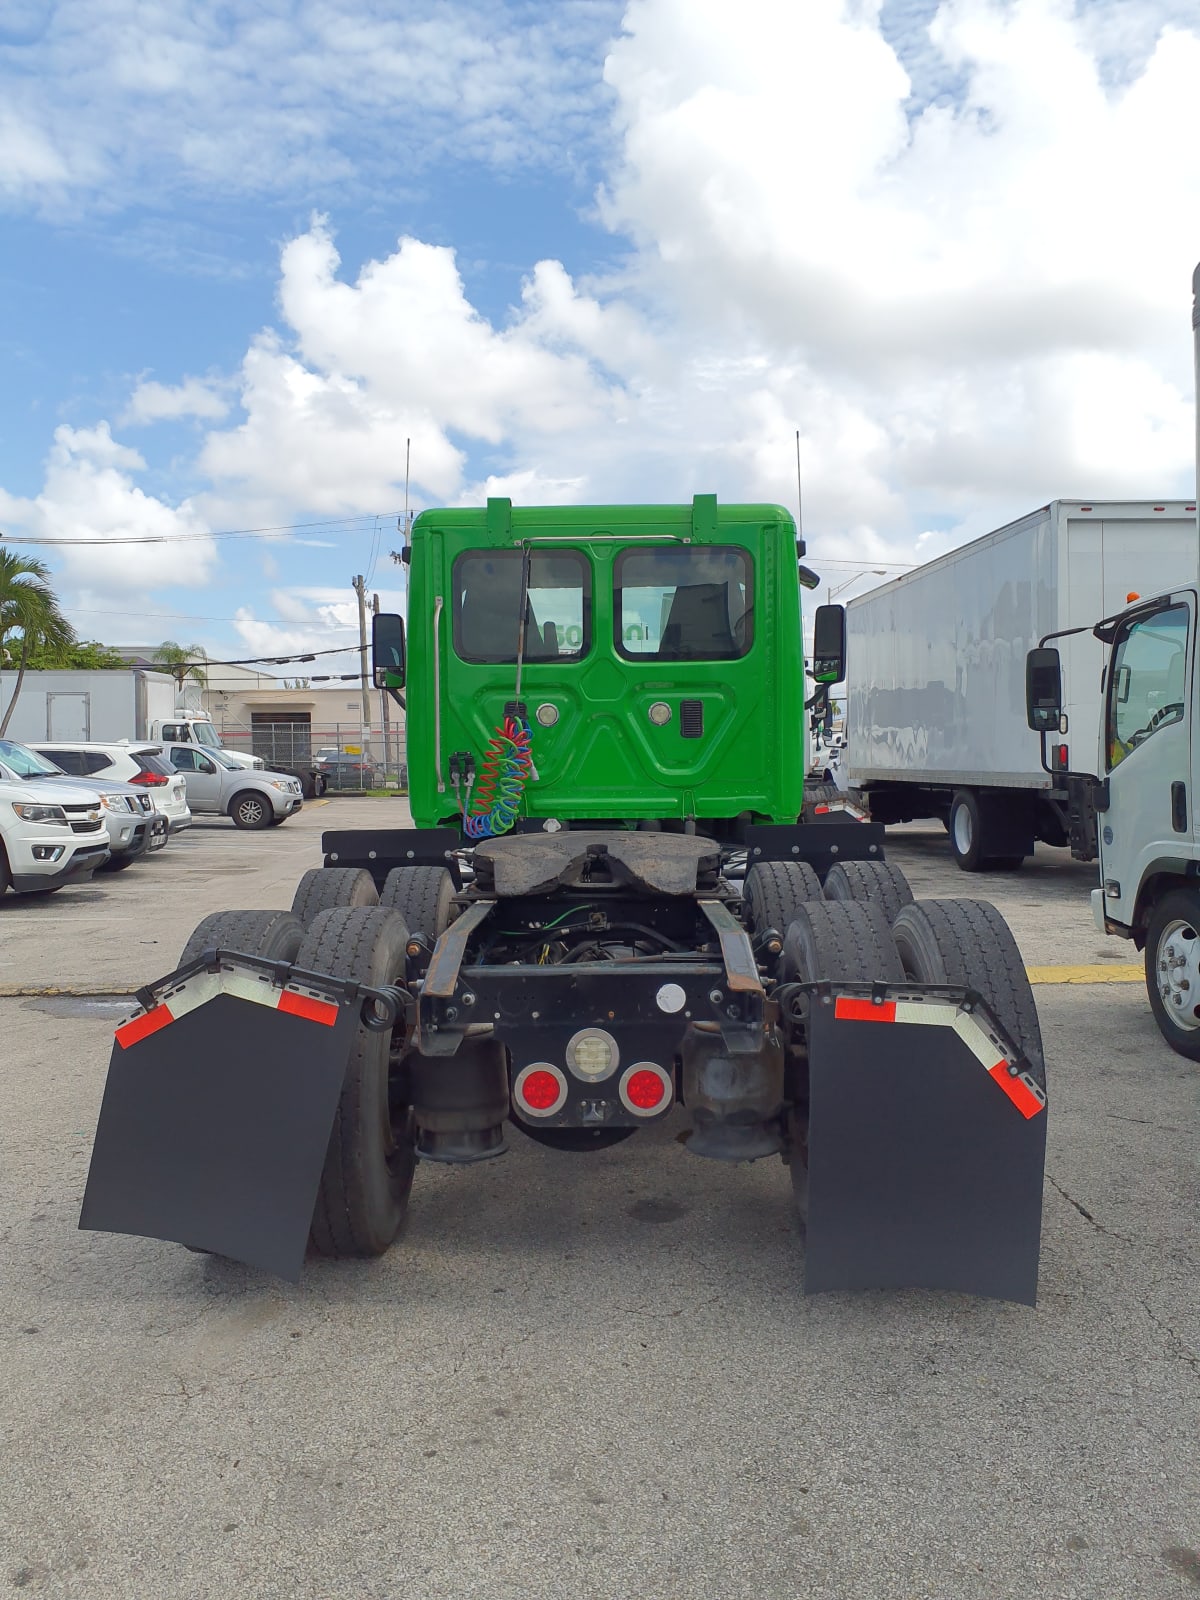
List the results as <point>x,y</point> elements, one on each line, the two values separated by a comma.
<point>141,1027</point>
<point>301,1005</point>
<point>847,1009</point>
<point>1026,1102</point>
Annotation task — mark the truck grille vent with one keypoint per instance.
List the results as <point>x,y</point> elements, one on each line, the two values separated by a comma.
<point>691,719</point>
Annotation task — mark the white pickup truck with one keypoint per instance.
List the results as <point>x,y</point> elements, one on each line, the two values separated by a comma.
<point>50,838</point>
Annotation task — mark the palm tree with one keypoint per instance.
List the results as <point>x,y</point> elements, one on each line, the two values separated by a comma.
<point>29,611</point>
<point>180,662</point>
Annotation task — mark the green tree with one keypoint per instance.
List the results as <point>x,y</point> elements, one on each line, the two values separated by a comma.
<point>84,655</point>
<point>181,662</point>
<point>30,618</point>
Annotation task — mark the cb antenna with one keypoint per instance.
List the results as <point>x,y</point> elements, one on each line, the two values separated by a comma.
<point>799,493</point>
<point>404,553</point>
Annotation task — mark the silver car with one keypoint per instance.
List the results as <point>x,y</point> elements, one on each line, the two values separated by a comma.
<point>128,813</point>
<point>217,788</point>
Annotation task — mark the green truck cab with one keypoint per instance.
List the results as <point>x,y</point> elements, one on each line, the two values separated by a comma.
<point>660,662</point>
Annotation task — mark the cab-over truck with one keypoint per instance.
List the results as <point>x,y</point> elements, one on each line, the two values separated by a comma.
<point>606,914</point>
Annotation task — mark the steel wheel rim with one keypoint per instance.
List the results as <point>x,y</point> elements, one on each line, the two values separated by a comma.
<point>961,824</point>
<point>1177,973</point>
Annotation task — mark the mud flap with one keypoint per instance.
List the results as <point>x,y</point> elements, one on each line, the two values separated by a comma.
<point>217,1113</point>
<point>926,1146</point>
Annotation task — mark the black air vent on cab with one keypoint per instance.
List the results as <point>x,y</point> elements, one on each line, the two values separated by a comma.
<point>691,719</point>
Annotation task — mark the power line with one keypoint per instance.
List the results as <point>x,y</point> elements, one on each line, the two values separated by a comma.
<point>352,524</point>
<point>188,616</point>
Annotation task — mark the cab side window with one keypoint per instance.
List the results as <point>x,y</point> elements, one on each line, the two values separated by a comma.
<point>1148,683</point>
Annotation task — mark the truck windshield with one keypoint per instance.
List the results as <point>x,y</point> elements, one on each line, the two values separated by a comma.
<point>205,733</point>
<point>683,603</point>
<point>487,600</point>
<point>27,763</point>
<point>1147,689</point>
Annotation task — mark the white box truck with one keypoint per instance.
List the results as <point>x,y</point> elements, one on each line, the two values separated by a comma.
<point>106,704</point>
<point>936,719</point>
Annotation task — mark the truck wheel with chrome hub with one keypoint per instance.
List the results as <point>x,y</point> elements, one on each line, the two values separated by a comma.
<point>1173,970</point>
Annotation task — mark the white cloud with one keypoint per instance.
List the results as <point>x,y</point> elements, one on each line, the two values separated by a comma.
<point>138,99</point>
<point>159,402</point>
<point>90,495</point>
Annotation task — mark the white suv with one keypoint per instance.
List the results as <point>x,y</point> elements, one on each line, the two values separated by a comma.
<point>54,837</point>
<point>142,764</point>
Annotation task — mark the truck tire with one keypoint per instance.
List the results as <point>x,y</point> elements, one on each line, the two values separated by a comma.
<point>876,881</point>
<point>1173,959</point>
<point>371,1157</point>
<point>968,830</point>
<point>422,896</point>
<point>849,940</point>
<point>326,888</point>
<point>251,810</point>
<point>968,942</point>
<point>775,890</point>
<point>273,934</point>
<point>817,794</point>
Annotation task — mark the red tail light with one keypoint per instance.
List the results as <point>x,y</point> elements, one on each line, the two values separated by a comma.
<point>645,1089</point>
<point>540,1090</point>
<point>149,780</point>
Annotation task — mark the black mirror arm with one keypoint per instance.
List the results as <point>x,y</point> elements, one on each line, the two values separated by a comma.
<point>398,698</point>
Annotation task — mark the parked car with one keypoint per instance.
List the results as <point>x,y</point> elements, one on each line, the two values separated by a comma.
<point>134,827</point>
<point>49,836</point>
<point>217,788</point>
<point>344,771</point>
<point>137,762</point>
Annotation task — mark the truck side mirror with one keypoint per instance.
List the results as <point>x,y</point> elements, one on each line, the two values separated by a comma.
<point>1043,690</point>
<point>829,644</point>
<point>387,650</point>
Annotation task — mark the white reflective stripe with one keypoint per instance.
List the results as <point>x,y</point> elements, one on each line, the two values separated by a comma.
<point>973,1034</point>
<point>244,982</point>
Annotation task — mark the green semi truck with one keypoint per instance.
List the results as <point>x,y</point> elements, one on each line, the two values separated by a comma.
<point>610,911</point>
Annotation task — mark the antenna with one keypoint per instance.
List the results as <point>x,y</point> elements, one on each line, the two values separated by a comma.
<point>408,464</point>
<point>799,492</point>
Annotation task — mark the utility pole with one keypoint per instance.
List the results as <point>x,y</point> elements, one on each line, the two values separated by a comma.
<point>383,702</point>
<point>360,589</point>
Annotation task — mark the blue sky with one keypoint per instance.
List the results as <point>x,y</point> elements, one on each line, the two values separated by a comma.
<point>593,251</point>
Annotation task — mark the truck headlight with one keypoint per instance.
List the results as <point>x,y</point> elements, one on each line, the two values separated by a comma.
<point>36,813</point>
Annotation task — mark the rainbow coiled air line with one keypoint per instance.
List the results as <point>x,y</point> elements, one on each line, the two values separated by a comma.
<point>506,768</point>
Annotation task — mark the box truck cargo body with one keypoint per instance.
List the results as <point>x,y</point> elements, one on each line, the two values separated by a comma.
<point>936,723</point>
<point>97,703</point>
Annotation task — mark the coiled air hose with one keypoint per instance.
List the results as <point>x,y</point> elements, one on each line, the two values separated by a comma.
<point>505,770</point>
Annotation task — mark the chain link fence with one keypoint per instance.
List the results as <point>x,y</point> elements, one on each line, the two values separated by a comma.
<point>346,758</point>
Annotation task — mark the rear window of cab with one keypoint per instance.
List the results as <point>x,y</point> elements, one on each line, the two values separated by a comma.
<point>486,606</point>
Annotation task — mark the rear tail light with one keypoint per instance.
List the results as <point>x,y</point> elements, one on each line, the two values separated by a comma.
<point>645,1089</point>
<point>150,780</point>
<point>1061,757</point>
<point>540,1090</point>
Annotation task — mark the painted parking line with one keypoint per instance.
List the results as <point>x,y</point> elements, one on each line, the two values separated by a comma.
<point>1103,972</point>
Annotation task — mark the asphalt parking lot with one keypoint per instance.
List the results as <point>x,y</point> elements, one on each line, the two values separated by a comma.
<point>590,1376</point>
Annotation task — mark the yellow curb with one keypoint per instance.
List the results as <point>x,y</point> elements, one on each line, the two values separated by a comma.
<point>1118,972</point>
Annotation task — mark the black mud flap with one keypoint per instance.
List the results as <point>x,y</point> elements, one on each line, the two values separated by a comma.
<point>926,1146</point>
<point>218,1108</point>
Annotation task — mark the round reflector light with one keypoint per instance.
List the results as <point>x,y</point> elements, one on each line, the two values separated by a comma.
<point>645,1089</point>
<point>659,713</point>
<point>592,1054</point>
<point>540,1089</point>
